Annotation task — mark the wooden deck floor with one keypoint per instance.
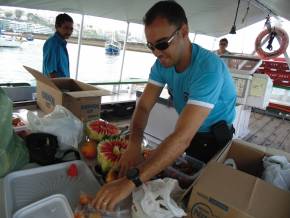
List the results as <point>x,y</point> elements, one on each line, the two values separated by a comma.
<point>269,131</point>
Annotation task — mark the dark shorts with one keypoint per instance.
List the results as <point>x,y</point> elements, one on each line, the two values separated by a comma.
<point>205,145</point>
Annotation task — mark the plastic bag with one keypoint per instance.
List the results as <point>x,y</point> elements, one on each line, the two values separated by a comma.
<point>13,152</point>
<point>156,199</point>
<point>277,171</point>
<point>61,123</point>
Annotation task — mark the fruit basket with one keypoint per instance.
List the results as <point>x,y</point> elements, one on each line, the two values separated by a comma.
<point>185,169</point>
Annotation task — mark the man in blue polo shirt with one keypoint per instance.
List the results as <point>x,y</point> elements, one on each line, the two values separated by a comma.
<point>55,55</point>
<point>203,93</point>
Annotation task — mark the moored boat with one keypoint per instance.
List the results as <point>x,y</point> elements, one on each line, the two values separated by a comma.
<point>112,47</point>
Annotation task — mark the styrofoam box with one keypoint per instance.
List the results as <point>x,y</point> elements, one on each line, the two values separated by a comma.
<point>55,206</point>
<point>25,187</point>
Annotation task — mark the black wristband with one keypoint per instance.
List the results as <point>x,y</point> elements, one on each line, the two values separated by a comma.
<point>133,175</point>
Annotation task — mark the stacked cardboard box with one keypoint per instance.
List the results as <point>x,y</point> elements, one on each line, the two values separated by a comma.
<point>82,99</point>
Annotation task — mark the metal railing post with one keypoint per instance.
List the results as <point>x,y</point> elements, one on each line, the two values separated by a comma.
<point>123,58</point>
<point>79,46</point>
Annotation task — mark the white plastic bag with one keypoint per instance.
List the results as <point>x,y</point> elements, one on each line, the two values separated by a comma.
<point>277,171</point>
<point>156,199</point>
<point>61,123</point>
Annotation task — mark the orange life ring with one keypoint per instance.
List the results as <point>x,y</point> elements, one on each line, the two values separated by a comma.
<point>282,37</point>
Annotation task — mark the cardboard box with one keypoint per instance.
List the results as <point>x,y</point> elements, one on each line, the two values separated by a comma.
<point>81,99</point>
<point>223,192</point>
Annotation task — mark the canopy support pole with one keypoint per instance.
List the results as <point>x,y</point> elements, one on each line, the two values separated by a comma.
<point>123,58</point>
<point>193,40</point>
<point>213,44</point>
<point>287,58</point>
<point>79,46</point>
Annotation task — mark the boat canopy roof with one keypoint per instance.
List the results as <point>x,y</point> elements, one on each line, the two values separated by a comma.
<point>210,17</point>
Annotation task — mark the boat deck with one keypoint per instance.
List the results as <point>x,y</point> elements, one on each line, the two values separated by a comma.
<point>269,131</point>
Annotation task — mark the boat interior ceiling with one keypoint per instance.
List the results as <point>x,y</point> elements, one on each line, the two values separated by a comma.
<point>210,17</point>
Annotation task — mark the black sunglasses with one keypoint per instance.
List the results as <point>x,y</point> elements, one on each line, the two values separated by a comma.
<point>163,44</point>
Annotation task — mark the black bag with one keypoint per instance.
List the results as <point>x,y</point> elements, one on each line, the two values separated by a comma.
<point>43,148</point>
<point>222,132</point>
<point>205,145</point>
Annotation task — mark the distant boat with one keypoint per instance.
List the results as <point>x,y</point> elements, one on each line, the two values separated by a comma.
<point>112,47</point>
<point>10,41</point>
<point>29,37</point>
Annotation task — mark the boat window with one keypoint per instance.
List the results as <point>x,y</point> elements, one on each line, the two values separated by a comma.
<point>23,33</point>
<point>101,50</point>
<point>203,40</point>
<point>138,59</point>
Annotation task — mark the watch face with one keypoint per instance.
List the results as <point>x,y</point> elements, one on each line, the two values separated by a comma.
<point>133,173</point>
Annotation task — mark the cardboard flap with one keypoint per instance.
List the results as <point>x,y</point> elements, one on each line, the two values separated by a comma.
<point>85,86</point>
<point>88,93</point>
<point>266,150</point>
<point>268,201</point>
<point>229,186</point>
<point>40,77</point>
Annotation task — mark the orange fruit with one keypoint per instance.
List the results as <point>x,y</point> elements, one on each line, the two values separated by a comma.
<point>89,149</point>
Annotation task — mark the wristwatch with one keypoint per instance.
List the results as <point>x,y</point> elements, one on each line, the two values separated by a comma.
<point>133,175</point>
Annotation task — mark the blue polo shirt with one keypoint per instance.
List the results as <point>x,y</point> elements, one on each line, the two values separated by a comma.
<point>206,82</point>
<point>55,56</point>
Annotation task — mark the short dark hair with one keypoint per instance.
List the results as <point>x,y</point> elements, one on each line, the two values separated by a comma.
<point>224,40</point>
<point>62,18</point>
<point>170,10</point>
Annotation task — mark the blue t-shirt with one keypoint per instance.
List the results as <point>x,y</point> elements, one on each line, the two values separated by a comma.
<point>55,56</point>
<point>206,82</point>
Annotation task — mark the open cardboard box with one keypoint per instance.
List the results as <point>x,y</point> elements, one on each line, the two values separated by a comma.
<point>223,192</point>
<point>83,100</point>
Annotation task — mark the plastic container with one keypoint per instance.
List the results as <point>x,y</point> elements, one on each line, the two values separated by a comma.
<point>55,206</point>
<point>185,169</point>
<point>18,123</point>
<point>123,210</point>
<point>25,187</point>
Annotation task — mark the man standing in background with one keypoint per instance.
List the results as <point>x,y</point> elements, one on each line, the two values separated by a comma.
<point>223,44</point>
<point>55,55</point>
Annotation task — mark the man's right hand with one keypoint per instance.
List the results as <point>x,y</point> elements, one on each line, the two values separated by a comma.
<point>130,158</point>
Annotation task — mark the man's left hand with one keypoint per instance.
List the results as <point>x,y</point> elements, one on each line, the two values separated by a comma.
<point>112,193</point>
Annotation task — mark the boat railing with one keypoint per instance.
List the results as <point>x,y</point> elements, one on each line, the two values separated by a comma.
<point>119,83</point>
<point>14,84</point>
<point>20,92</point>
<point>116,85</point>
